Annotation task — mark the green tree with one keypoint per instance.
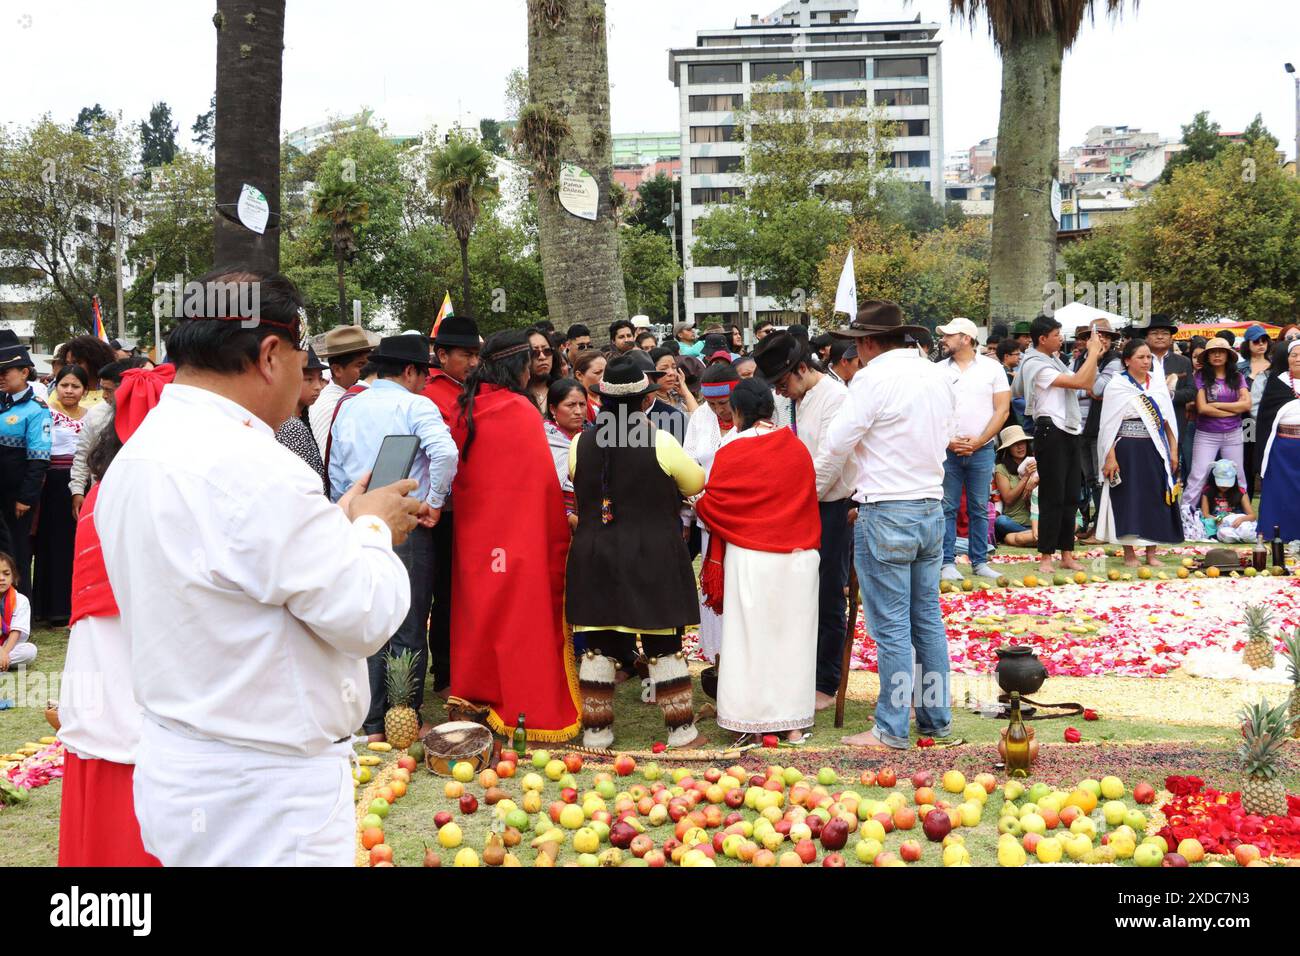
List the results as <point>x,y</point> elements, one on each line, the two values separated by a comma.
<point>567,121</point>
<point>1257,132</point>
<point>339,203</point>
<point>1098,258</point>
<point>158,137</point>
<point>204,128</point>
<point>911,206</point>
<point>490,131</point>
<point>1201,143</point>
<point>88,118</point>
<point>461,177</point>
<point>1032,37</point>
<point>649,270</point>
<point>655,202</point>
<point>1222,239</point>
<point>250,44</point>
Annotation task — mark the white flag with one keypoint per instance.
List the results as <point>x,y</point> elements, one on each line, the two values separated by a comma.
<point>846,296</point>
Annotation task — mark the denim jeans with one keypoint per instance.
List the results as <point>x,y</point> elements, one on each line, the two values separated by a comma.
<point>899,552</point>
<point>1004,526</point>
<point>832,607</point>
<point>416,553</point>
<point>975,472</point>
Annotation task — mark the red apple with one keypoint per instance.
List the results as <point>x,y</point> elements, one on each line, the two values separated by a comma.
<point>884,858</point>
<point>886,820</point>
<point>886,778</point>
<point>624,765</point>
<point>1171,859</point>
<point>713,774</point>
<point>677,809</point>
<point>868,778</point>
<point>468,803</point>
<point>910,851</point>
<point>1246,853</point>
<point>757,780</point>
<point>783,826</point>
<point>834,834</point>
<point>833,860</point>
<point>554,810</point>
<point>602,816</point>
<point>641,844</point>
<point>712,816</point>
<point>572,763</point>
<point>655,859</point>
<point>1144,793</point>
<point>922,778</point>
<point>406,762</point>
<point>815,824</point>
<point>441,819</point>
<point>936,825</point>
<point>1030,841</point>
<point>807,851</point>
<point>735,797</point>
<point>381,853</point>
<point>569,795</point>
<point>904,818</point>
<point>621,834</point>
<point>671,844</point>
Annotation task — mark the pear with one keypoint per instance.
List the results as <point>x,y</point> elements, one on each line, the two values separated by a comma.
<point>431,859</point>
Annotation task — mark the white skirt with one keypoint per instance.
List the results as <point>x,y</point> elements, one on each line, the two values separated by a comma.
<point>767,678</point>
<point>710,623</point>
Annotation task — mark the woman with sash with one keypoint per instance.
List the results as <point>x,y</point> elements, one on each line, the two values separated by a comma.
<point>1279,433</point>
<point>1137,452</point>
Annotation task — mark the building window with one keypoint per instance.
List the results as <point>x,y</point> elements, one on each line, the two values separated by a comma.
<point>780,39</point>
<point>837,37</point>
<point>714,102</point>
<point>715,72</point>
<point>780,69</point>
<point>704,197</point>
<point>918,97</point>
<point>714,164</point>
<point>910,159</point>
<point>715,290</point>
<point>791,100</point>
<point>913,127</point>
<point>839,69</point>
<point>713,134</point>
<point>902,66</point>
<point>840,98</point>
<point>720,41</point>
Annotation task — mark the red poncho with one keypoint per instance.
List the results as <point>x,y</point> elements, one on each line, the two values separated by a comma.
<point>510,542</point>
<point>761,495</point>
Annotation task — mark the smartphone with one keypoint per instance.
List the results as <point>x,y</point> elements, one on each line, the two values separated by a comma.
<point>394,461</point>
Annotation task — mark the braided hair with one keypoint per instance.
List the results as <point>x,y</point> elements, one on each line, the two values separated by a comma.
<point>506,359</point>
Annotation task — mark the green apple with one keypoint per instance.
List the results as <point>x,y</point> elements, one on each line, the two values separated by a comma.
<point>371,820</point>
<point>1092,786</point>
<point>867,850</point>
<point>1114,811</point>
<point>1137,820</point>
<point>541,758</point>
<point>1010,825</point>
<point>1159,842</point>
<point>588,859</point>
<point>651,771</point>
<point>791,776</point>
<point>1033,823</point>
<point>1012,790</point>
<point>606,789</point>
<point>680,774</point>
<point>1026,809</point>
<point>379,807</point>
<point>1038,791</point>
<point>1148,854</point>
<point>517,819</point>
<point>827,777</point>
<point>1112,788</point>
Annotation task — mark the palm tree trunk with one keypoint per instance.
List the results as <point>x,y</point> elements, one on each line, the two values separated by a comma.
<point>568,73</point>
<point>1023,255</point>
<point>464,275</point>
<point>343,285</point>
<point>250,40</point>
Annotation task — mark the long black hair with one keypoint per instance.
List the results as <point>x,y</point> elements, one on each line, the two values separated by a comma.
<point>751,402</point>
<point>1231,376</point>
<point>505,359</point>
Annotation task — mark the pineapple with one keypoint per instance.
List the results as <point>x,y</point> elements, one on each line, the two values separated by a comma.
<point>401,722</point>
<point>1292,645</point>
<point>1264,730</point>
<point>1259,643</point>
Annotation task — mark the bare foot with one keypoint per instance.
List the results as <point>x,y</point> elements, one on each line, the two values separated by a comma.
<point>375,738</point>
<point>1134,563</point>
<point>866,741</point>
<point>794,736</point>
<point>823,700</point>
<point>1153,562</point>
<point>1047,567</point>
<point>1069,564</point>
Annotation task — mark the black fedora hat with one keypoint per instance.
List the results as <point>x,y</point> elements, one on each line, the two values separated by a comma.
<point>624,379</point>
<point>645,363</point>
<point>457,332</point>
<point>403,350</point>
<point>881,317</point>
<point>1162,321</point>
<point>778,354</point>
<point>314,364</point>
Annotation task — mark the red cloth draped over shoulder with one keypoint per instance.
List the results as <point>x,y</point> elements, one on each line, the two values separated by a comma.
<point>91,594</point>
<point>761,495</point>
<point>444,391</point>
<point>509,546</point>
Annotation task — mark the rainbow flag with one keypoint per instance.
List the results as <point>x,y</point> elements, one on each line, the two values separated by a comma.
<point>98,326</point>
<point>442,313</point>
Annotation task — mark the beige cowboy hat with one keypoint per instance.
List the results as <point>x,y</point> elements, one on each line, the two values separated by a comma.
<point>346,340</point>
<point>1103,326</point>
<point>1217,343</point>
<point>1010,435</point>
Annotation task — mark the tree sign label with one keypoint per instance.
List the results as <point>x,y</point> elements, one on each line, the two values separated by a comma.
<point>1056,201</point>
<point>579,193</point>
<point>253,209</point>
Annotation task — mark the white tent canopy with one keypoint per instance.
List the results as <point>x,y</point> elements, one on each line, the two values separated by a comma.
<point>1076,314</point>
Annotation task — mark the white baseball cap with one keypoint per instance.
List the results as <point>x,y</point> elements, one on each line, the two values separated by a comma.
<point>962,325</point>
<point>640,321</point>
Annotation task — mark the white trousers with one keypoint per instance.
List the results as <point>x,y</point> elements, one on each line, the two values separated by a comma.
<point>24,652</point>
<point>208,803</point>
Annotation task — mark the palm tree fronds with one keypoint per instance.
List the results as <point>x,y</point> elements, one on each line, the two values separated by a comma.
<point>1010,20</point>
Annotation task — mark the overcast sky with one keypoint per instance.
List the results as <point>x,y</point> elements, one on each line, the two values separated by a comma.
<point>417,63</point>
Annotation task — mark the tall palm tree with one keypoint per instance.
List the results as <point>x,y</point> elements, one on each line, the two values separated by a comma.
<point>250,41</point>
<point>461,177</point>
<point>340,204</point>
<point>1032,36</point>
<point>566,120</point>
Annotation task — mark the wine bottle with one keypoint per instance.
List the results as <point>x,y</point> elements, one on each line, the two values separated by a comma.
<point>1259,557</point>
<point>1017,741</point>
<point>1279,550</point>
<point>521,737</point>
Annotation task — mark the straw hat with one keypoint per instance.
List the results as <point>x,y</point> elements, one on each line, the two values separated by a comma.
<point>1010,436</point>
<point>1218,343</point>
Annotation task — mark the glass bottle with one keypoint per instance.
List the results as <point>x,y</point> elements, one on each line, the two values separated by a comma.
<point>520,737</point>
<point>1259,557</point>
<point>1017,746</point>
<point>1279,549</point>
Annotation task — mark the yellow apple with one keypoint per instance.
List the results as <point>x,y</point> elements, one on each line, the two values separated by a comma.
<point>954,781</point>
<point>1112,788</point>
<point>1049,850</point>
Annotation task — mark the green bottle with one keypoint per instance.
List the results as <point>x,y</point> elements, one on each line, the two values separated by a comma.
<point>1017,741</point>
<point>520,737</point>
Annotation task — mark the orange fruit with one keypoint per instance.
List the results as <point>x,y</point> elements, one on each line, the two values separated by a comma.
<point>371,837</point>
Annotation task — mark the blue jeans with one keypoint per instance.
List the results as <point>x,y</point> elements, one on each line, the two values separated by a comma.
<point>898,554</point>
<point>1004,526</point>
<point>832,607</point>
<point>975,472</point>
<point>416,553</point>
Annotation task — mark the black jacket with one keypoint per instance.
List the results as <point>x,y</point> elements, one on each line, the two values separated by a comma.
<point>1185,388</point>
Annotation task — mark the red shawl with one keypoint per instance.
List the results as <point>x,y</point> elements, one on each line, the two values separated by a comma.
<point>510,541</point>
<point>761,495</point>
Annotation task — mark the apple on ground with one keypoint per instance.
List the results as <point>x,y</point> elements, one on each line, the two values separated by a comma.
<point>910,851</point>
<point>1246,853</point>
<point>833,860</point>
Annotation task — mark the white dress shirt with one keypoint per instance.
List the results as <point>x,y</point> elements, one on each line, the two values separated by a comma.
<point>250,600</point>
<point>321,414</point>
<point>896,426</point>
<point>974,388</point>
<point>813,416</point>
<point>1049,401</point>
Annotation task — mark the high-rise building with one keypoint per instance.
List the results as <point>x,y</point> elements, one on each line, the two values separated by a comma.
<point>894,65</point>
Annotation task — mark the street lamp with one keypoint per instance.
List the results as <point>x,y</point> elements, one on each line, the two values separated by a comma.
<point>117,252</point>
<point>1291,69</point>
<point>670,221</point>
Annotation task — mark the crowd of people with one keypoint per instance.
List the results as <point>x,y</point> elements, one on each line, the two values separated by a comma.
<point>238,587</point>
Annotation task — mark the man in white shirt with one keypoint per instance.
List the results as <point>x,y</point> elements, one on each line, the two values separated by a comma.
<point>1051,393</point>
<point>983,397</point>
<point>895,426</point>
<point>785,363</point>
<point>346,349</point>
<point>250,600</point>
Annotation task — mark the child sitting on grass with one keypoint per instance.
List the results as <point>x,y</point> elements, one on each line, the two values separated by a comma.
<point>15,619</point>
<point>1227,513</point>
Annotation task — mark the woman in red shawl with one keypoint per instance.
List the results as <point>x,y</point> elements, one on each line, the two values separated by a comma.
<point>760,506</point>
<point>98,716</point>
<point>509,650</point>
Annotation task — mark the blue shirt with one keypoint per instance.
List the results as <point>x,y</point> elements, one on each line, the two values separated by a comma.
<point>386,408</point>
<point>24,445</point>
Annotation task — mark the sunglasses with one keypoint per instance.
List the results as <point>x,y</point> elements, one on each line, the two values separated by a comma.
<point>543,353</point>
